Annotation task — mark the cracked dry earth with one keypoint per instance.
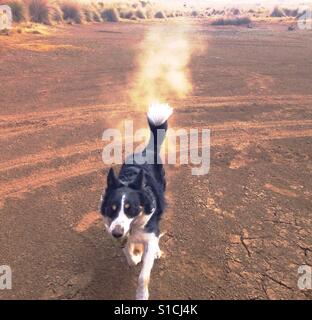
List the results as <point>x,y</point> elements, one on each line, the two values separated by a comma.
<point>241,232</point>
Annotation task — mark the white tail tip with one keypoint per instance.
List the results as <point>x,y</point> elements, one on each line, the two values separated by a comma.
<point>159,113</point>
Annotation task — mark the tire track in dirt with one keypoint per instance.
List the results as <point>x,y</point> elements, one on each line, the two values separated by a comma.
<point>17,187</point>
<point>31,116</point>
<point>259,82</point>
<point>245,137</point>
<point>48,156</point>
<point>264,136</point>
<point>243,131</point>
<point>238,101</point>
<point>81,119</point>
<point>14,125</point>
<point>82,148</point>
<point>281,191</point>
<point>240,125</point>
<point>11,126</point>
<point>222,134</point>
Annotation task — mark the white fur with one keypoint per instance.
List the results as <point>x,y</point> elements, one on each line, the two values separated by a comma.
<point>122,220</point>
<point>159,113</point>
<point>151,252</point>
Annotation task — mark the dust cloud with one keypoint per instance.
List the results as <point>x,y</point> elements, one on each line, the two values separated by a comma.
<point>163,66</point>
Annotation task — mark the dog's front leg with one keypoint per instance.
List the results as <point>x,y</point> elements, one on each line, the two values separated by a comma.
<point>150,252</point>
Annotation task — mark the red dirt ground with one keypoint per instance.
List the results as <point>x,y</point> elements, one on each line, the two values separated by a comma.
<point>241,232</point>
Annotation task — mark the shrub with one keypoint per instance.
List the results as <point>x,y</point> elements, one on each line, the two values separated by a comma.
<point>232,21</point>
<point>160,15</point>
<point>71,11</point>
<point>110,15</point>
<point>235,11</point>
<point>291,12</point>
<point>126,14</point>
<point>278,12</point>
<point>19,10</point>
<point>140,14</point>
<point>39,11</point>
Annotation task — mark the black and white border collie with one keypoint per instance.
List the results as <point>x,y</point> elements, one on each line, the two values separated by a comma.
<point>133,202</point>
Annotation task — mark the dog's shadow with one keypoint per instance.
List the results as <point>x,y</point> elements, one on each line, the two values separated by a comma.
<point>112,278</point>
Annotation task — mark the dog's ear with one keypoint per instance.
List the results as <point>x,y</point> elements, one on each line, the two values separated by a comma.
<point>112,181</point>
<point>138,183</point>
<point>148,203</point>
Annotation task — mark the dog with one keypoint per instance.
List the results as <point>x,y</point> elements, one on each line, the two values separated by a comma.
<point>133,203</point>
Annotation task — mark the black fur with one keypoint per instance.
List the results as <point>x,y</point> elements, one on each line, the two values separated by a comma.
<point>142,184</point>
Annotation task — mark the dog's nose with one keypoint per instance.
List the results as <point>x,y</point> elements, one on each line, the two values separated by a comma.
<point>118,232</point>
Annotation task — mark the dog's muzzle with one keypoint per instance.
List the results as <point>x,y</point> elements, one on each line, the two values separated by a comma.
<point>118,232</point>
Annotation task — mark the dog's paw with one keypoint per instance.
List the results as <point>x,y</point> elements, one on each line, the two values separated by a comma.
<point>136,259</point>
<point>159,254</point>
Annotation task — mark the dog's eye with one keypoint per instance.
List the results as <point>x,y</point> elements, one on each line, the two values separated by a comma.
<point>127,206</point>
<point>114,207</point>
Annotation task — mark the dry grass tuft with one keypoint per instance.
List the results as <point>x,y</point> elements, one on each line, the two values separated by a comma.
<point>232,21</point>
<point>291,12</point>
<point>160,15</point>
<point>110,15</point>
<point>72,12</point>
<point>278,12</point>
<point>39,11</point>
<point>235,11</point>
<point>140,14</point>
<point>19,10</point>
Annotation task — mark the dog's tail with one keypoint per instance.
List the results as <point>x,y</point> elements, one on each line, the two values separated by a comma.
<point>158,115</point>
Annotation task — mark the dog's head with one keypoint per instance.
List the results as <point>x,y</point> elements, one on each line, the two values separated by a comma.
<point>123,205</point>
